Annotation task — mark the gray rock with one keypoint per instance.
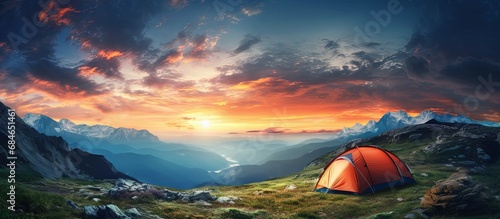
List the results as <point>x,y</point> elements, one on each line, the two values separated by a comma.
<point>422,213</point>
<point>96,199</point>
<point>415,136</point>
<point>202,195</point>
<point>170,195</point>
<point>110,211</point>
<point>410,216</point>
<point>461,156</point>
<point>124,183</point>
<point>133,213</point>
<point>73,205</point>
<point>227,199</point>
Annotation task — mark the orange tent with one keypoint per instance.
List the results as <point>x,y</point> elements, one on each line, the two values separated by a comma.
<point>362,170</point>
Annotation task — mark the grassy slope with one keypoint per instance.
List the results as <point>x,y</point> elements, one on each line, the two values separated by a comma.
<point>265,199</point>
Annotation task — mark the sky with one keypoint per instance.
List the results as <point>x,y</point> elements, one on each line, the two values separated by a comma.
<point>230,67</point>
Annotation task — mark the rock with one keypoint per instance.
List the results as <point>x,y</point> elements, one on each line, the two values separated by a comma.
<point>202,203</point>
<point>421,212</point>
<point>94,188</point>
<point>124,183</point>
<point>96,199</point>
<point>290,187</point>
<point>399,199</point>
<point>170,195</point>
<point>410,216</point>
<point>482,155</point>
<point>461,156</point>
<point>424,174</point>
<point>228,200</point>
<point>415,136</point>
<point>133,213</point>
<point>135,197</point>
<point>104,211</point>
<point>202,195</point>
<point>497,197</point>
<point>457,194</point>
<point>72,204</point>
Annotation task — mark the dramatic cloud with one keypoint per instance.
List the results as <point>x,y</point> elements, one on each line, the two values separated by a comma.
<point>246,43</point>
<point>417,65</point>
<point>175,63</point>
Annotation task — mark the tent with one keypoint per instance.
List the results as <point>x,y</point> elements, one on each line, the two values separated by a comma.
<point>363,169</point>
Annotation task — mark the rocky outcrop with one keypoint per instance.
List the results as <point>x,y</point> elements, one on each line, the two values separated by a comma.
<point>457,194</point>
<point>110,212</point>
<point>125,188</point>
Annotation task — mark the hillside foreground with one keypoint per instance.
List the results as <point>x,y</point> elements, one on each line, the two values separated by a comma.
<point>287,197</point>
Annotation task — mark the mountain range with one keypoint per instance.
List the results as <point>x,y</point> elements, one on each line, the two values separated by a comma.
<point>399,119</point>
<point>51,156</point>
<point>284,162</point>
<point>137,153</point>
<point>47,125</point>
<point>274,159</point>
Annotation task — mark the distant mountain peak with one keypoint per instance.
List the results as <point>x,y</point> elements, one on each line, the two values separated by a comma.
<point>398,119</point>
<point>48,126</point>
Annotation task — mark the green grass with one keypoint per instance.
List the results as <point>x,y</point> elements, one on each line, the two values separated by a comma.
<point>263,199</point>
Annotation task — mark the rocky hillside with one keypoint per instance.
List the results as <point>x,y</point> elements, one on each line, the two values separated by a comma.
<point>456,144</point>
<point>51,156</point>
<point>455,166</point>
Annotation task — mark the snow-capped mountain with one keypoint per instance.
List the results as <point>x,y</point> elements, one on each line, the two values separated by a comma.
<point>49,155</point>
<point>399,119</point>
<point>48,126</point>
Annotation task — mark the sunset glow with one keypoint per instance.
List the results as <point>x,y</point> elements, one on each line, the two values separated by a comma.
<point>184,68</point>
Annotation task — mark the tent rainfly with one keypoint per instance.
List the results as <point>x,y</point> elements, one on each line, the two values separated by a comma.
<point>363,169</point>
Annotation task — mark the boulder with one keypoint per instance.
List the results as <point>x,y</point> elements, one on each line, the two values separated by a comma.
<point>72,204</point>
<point>133,213</point>
<point>110,211</point>
<point>202,195</point>
<point>227,199</point>
<point>457,194</point>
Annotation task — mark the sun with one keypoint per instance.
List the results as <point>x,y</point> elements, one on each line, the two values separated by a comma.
<point>205,123</point>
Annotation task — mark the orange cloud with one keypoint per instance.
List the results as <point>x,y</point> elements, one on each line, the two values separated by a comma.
<point>109,54</point>
<point>57,17</point>
<point>86,71</point>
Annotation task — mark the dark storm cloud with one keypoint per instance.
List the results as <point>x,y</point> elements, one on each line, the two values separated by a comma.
<point>468,71</point>
<point>246,43</point>
<point>417,66</point>
<point>90,24</point>
<point>107,67</point>
<point>458,29</point>
<point>286,63</point>
<point>122,30</point>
